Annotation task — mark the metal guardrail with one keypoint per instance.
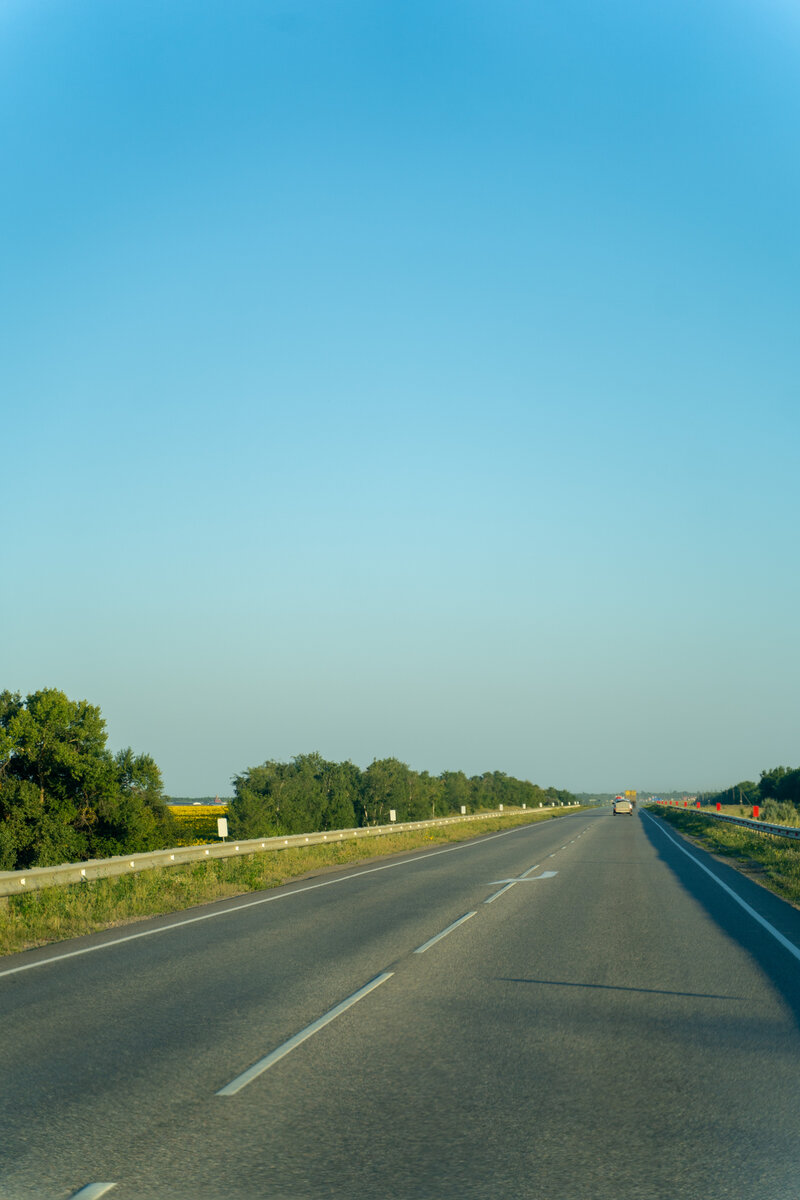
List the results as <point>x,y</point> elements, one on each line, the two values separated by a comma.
<point>12,883</point>
<point>787,831</point>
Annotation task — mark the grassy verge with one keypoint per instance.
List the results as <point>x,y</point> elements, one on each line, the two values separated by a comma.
<point>771,861</point>
<point>57,913</point>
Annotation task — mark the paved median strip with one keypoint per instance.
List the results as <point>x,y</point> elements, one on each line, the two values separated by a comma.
<point>281,1051</point>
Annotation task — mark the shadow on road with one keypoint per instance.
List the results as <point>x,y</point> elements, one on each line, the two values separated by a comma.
<point>776,962</point>
<point>609,987</point>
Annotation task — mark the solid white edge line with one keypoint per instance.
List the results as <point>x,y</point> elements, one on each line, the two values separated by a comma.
<point>281,1051</point>
<point>92,1191</point>
<point>226,912</point>
<point>787,945</point>
<point>444,932</point>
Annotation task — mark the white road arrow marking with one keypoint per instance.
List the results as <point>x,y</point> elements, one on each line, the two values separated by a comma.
<point>525,878</point>
<point>509,883</point>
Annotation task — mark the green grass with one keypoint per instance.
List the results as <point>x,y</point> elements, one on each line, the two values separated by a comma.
<point>772,861</point>
<point>56,913</point>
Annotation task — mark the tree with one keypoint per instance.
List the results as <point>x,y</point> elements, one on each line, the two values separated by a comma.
<point>456,792</point>
<point>385,786</point>
<point>63,796</point>
<point>131,812</point>
<point>789,787</point>
<point>255,810</point>
<point>303,796</point>
<point>425,796</point>
<point>781,783</point>
<point>34,832</point>
<point>342,783</point>
<point>59,744</point>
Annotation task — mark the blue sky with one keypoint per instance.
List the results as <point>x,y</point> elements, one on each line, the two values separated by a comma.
<point>413,379</point>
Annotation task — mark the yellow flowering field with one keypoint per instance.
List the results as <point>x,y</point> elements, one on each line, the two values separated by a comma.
<point>198,822</point>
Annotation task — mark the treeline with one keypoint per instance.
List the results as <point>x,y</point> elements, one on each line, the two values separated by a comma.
<point>310,793</point>
<point>777,793</point>
<point>64,797</point>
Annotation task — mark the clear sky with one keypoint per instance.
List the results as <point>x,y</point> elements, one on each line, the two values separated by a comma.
<point>406,377</point>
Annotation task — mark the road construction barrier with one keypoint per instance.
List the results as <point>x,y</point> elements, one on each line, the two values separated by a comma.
<point>787,831</point>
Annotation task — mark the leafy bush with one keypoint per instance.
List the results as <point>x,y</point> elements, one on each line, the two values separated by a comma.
<point>780,812</point>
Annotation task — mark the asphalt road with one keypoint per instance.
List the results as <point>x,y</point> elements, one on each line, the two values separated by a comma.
<point>614,1024</point>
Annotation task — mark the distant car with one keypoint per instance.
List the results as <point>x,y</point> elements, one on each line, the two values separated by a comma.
<point>623,806</point>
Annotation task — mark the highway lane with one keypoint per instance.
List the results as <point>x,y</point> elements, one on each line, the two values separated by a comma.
<point>105,1047</point>
<point>616,1029</point>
